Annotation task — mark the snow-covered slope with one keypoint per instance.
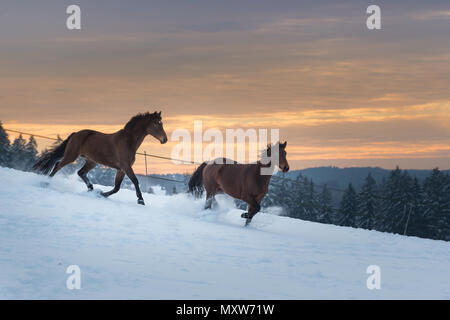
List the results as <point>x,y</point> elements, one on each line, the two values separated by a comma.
<point>172,248</point>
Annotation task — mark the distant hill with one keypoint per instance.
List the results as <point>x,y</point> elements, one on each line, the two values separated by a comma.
<point>341,177</point>
<point>332,176</point>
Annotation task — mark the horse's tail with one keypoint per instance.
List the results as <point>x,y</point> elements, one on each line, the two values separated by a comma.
<point>48,158</point>
<point>196,181</point>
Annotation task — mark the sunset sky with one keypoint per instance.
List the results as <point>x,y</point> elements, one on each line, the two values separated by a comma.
<point>340,94</point>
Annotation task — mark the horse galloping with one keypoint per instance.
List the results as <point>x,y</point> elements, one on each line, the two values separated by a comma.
<point>116,150</point>
<point>241,181</point>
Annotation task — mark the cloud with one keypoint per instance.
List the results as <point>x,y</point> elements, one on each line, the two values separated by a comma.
<point>431,15</point>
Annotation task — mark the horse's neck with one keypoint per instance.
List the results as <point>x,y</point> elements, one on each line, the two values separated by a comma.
<point>137,136</point>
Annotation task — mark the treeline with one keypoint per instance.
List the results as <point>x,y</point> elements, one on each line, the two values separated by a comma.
<point>399,204</point>
<point>21,154</point>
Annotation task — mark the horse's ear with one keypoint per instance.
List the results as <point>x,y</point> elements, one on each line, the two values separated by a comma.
<point>159,113</point>
<point>284,144</point>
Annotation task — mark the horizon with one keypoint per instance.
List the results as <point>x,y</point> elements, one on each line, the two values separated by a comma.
<point>333,167</point>
<point>340,94</point>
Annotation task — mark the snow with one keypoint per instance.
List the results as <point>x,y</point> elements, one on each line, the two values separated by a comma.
<point>173,249</point>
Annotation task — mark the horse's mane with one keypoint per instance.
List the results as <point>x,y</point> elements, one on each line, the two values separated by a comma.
<point>140,116</point>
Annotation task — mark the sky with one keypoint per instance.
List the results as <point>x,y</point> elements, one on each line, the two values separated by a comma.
<point>340,94</point>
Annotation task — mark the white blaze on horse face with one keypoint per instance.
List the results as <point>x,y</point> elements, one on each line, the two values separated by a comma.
<point>214,150</point>
<point>240,136</point>
<point>183,149</point>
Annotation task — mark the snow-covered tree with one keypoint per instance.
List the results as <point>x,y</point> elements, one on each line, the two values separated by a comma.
<point>303,203</point>
<point>325,208</point>
<point>416,224</point>
<point>280,195</point>
<point>348,208</point>
<point>4,148</point>
<point>436,203</point>
<point>367,204</point>
<point>30,154</point>
<point>397,202</point>
<point>18,153</point>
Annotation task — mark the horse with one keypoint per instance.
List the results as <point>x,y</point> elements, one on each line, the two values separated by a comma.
<point>116,150</point>
<point>241,181</point>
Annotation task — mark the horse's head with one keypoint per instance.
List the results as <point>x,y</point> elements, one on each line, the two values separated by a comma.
<point>282,161</point>
<point>155,127</point>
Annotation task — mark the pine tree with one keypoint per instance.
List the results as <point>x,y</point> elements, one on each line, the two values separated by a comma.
<point>5,154</point>
<point>18,153</point>
<point>397,202</point>
<point>436,202</point>
<point>312,202</point>
<point>279,195</point>
<point>30,153</point>
<point>416,224</point>
<point>302,204</point>
<point>348,208</point>
<point>325,212</point>
<point>367,204</point>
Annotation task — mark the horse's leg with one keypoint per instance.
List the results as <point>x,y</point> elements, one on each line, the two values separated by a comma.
<point>130,173</point>
<point>253,208</point>
<point>69,157</point>
<point>209,200</point>
<point>211,192</point>
<point>88,165</point>
<point>119,178</point>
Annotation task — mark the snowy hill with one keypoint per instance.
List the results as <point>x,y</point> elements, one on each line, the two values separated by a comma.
<point>172,248</point>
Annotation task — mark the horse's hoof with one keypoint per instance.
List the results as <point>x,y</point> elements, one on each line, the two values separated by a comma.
<point>244,215</point>
<point>141,201</point>
<point>90,188</point>
<point>247,221</point>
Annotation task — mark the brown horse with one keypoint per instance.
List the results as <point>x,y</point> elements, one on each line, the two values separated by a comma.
<point>241,181</point>
<point>116,150</point>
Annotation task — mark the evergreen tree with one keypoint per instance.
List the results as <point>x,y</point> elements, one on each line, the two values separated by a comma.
<point>277,194</point>
<point>367,204</point>
<point>312,202</point>
<point>30,153</point>
<point>348,208</point>
<point>302,203</point>
<point>436,202</point>
<point>325,213</point>
<point>18,153</point>
<point>397,202</point>
<point>416,223</point>
<point>5,154</point>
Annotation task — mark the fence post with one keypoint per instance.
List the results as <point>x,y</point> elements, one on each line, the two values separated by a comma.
<point>145,158</point>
